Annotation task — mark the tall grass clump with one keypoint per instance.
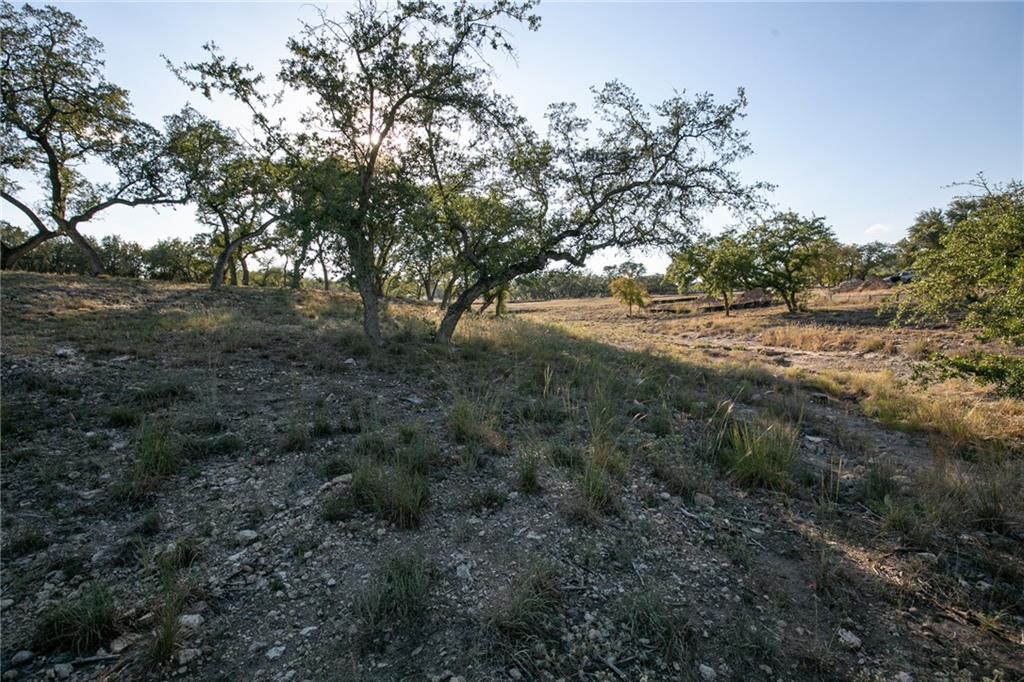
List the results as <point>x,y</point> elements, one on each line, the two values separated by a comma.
<point>398,592</point>
<point>760,452</point>
<point>80,624</point>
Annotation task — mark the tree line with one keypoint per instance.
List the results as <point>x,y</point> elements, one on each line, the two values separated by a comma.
<point>407,173</point>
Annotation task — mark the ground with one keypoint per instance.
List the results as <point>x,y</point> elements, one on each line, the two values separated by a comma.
<point>235,485</point>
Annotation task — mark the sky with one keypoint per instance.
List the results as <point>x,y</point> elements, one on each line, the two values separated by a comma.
<point>864,113</point>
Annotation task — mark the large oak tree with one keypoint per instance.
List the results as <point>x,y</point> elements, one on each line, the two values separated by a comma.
<point>59,114</point>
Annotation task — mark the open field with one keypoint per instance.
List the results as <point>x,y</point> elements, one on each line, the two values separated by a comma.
<point>236,485</point>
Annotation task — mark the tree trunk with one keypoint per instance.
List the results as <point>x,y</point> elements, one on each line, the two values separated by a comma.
<point>245,270</point>
<point>222,263</point>
<point>455,311</point>
<point>323,267</point>
<point>9,255</point>
<point>371,313</point>
<point>725,296</point>
<point>93,258</point>
<point>233,272</point>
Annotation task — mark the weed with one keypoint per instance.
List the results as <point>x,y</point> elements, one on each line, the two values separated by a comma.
<point>372,444</point>
<point>296,437</point>
<point>28,542</point>
<point>338,507</point>
<point>162,393</point>
<point>400,496</point>
<point>487,498</point>
<point>659,420</point>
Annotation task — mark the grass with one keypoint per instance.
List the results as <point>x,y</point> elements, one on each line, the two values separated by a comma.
<point>398,592</point>
<point>80,624</point>
<point>681,478</point>
<point>760,452</point>
<point>29,541</point>
<point>647,616</point>
<point>528,472</point>
<point>330,466</point>
<point>472,426</point>
<point>398,495</point>
<point>530,602</point>
<point>120,416</point>
<point>596,495</point>
<point>489,497</point>
<point>565,455</point>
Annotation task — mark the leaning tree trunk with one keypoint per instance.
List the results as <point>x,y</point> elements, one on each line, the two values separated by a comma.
<point>93,258</point>
<point>245,270</point>
<point>222,263</point>
<point>455,311</point>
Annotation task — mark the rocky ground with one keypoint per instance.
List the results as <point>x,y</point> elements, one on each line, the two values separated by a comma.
<point>253,557</point>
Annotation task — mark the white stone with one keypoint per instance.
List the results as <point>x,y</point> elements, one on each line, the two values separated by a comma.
<point>275,652</point>
<point>247,536</point>
<point>707,672</point>
<point>849,640</point>
<point>192,621</point>
<point>63,670</point>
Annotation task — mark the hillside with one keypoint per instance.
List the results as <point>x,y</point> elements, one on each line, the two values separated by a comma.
<point>237,485</point>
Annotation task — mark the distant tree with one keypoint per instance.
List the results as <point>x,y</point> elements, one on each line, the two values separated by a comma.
<point>238,191</point>
<point>785,248</point>
<point>722,263</point>
<point>629,292</point>
<point>122,258</point>
<point>978,267</point>
<point>625,269</point>
<point>178,260</point>
<point>61,115</point>
<point>834,263</point>
<point>877,259</point>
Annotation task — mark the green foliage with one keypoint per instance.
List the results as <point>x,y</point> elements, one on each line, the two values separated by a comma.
<point>59,113</point>
<point>647,616</point>
<point>629,292</point>
<point>977,268</point>
<point>721,263</point>
<point>1006,372</point>
<point>786,247</point>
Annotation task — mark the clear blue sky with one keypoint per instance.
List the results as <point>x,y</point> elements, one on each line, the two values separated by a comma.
<point>861,112</point>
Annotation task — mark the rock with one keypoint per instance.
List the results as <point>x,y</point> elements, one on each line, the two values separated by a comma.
<point>928,557</point>
<point>814,439</point>
<point>190,621</point>
<point>63,670</point>
<point>707,673</point>
<point>21,658</point>
<point>275,652</point>
<point>6,603</point>
<point>904,677</point>
<point>462,572</point>
<point>848,639</point>
<point>515,674</point>
<point>350,361</point>
<point>64,352</point>
<point>120,644</point>
<point>344,478</point>
<point>247,536</point>
<point>186,656</point>
<point>665,496</point>
<point>704,501</point>
<point>308,630</point>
